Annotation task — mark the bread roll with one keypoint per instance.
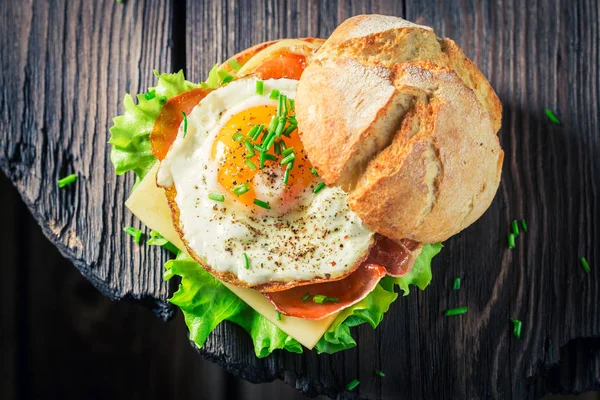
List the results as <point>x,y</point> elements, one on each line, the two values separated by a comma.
<point>405,123</point>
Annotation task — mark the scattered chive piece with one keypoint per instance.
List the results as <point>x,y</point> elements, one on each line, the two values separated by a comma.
<point>241,189</point>
<point>156,239</point>
<point>67,180</point>
<point>268,156</point>
<point>553,118</point>
<point>251,165</point>
<point>262,204</point>
<point>292,104</point>
<point>288,159</point>
<point>288,131</point>
<point>287,151</point>
<point>278,316</point>
<point>225,76</point>
<point>184,123</point>
<point>270,142</point>
<point>216,197</point>
<point>353,384</point>
<point>280,107</point>
<point>278,147</point>
<point>378,372</point>
<point>162,100</point>
<point>135,233</point>
<point>319,187</point>
<point>320,299</point>
<point>286,175</point>
<point>249,148</point>
<point>234,64</point>
<point>314,172</point>
<point>455,311</point>
<point>282,145</point>
<point>246,261</point>
<point>305,297</point>
<point>150,95</point>
<point>284,112</point>
<point>255,131</point>
<point>511,241</point>
<point>274,94</point>
<point>585,264</point>
<point>524,225</point>
<point>517,325</point>
<point>238,137</point>
<point>515,228</point>
<point>456,285</point>
<point>260,87</point>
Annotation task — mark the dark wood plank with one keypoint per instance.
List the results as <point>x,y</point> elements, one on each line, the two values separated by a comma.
<point>537,55</point>
<point>66,66</point>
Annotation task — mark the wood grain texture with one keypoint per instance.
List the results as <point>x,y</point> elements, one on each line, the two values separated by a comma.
<point>63,82</point>
<point>66,67</point>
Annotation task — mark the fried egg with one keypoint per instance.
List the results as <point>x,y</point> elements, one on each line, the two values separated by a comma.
<point>270,230</point>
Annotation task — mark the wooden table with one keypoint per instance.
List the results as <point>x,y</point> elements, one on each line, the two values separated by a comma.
<point>66,66</point>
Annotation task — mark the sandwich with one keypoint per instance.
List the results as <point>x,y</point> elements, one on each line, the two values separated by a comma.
<point>307,181</point>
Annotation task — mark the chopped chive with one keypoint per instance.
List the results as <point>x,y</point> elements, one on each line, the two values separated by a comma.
<point>262,204</point>
<point>286,175</point>
<point>238,137</point>
<point>216,197</point>
<point>288,159</point>
<point>250,164</point>
<point>515,228</point>
<point>270,157</point>
<point>278,316</point>
<point>282,145</point>
<point>156,73</point>
<point>511,241</point>
<point>284,111</point>
<point>288,131</point>
<point>249,148</point>
<point>162,100</point>
<point>233,63</point>
<point>314,172</point>
<point>258,148</point>
<point>278,147</point>
<point>584,264</point>
<point>379,373</point>
<point>246,261</point>
<point>254,131</point>
<point>265,156</point>
<point>184,123</point>
<point>455,311</point>
<point>305,297</point>
<point>280,101</point>
<point>517,325</point>
<point>274,94</point>
<point>320,299</point>
<point>287,151</point>
<point>280,126</point>
<point>456,284</point>
<point>292,104</point>
<point>273,124</point>
<point>292,120</point>
<point>319,187</point>
<point>269,143</point>
<point>67,180</point>
<point>353,384</point>
<point>553,118</point>
<point>241,189</point>
<point>150,95</point>
<point>524,225</point>
<point>135,233</point>
<point>260,87</point>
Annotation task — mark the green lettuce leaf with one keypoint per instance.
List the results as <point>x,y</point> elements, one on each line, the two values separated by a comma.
<point>371,309</point>
<point>130,133</point>
<point>206,302</point>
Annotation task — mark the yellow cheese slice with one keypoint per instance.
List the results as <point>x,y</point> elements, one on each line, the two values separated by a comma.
<point>149,203</point>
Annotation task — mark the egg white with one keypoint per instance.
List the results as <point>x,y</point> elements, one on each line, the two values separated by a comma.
<point>318,237</point>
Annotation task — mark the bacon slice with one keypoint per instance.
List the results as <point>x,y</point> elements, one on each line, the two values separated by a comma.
<point>347,291</point>
<point>170,118</point>
<point>397,258</point>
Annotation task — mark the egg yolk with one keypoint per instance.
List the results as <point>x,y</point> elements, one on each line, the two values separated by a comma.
<point>231,156</point>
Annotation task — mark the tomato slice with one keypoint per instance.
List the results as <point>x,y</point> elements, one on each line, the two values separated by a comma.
<point>170,118</point>
<point>282,64</point>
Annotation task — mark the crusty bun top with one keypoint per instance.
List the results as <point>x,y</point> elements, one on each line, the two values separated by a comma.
<point>405,123</point>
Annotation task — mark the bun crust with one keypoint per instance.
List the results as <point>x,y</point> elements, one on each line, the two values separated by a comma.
<point>405,123</point>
